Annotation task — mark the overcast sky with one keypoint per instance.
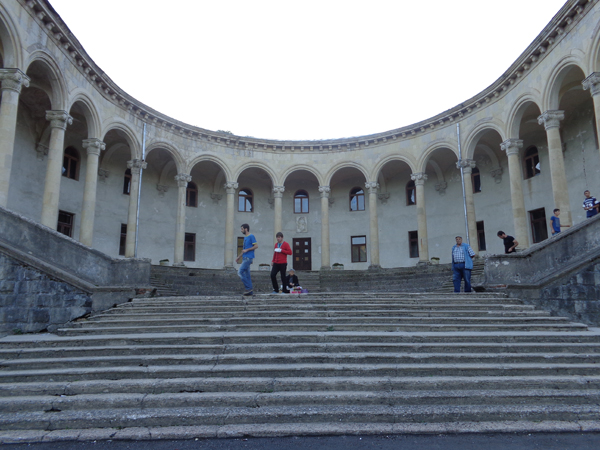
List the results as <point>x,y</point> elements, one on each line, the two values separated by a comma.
<point>304,69</point>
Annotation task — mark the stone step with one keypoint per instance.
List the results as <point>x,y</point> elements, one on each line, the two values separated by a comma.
<point>143,401</point>
<point>367,414</point>
<point>291,370</point>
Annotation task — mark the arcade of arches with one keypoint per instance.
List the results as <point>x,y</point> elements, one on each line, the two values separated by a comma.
<point>72,158</point>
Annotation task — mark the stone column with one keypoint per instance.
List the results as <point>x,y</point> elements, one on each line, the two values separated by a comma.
<point>58,124</point>
<point>230,188</point>
<point>468,165</point>
<point>136,166</point>
<point>325,258</point>
<point>419,179</point>
<point>593,84</point>
<point>515,172</point>
<point>551,121</point>
<point>277,206</point>
<point>372,187</point>
<point>93,147</point>
<point>182,182</point>
<point>12,81</point>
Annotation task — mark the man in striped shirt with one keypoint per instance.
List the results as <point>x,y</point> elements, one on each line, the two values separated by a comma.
<point>462,264</point>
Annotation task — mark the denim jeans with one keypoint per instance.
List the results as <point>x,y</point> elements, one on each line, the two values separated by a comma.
<point>458,273</point>
<point>244,273</point>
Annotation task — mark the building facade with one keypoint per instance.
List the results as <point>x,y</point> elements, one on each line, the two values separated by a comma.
<point>72,157</point>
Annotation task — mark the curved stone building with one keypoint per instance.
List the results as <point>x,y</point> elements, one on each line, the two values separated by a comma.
<point>72,157</point>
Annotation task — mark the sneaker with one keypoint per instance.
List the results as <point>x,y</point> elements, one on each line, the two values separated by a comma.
<point>275,292</point>
<point>285,292</point>
<point>249,293</point>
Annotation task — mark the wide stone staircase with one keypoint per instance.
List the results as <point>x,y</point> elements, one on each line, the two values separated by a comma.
<point>275,365</point>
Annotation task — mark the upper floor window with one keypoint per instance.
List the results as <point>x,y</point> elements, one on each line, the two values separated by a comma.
<point>71,163</point>
<point>245,200</point>
<point>358,246</point>
<point>357,199</point>
<point>532,162</point>
<point>476,180</point>
<point>191,195</point>
<point>127,182</point>
<point>411,193</point>
<point>300,202</point>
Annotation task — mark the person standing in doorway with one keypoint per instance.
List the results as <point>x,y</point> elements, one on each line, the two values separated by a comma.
<point>279,263</point>
<point>590,204</point>
<point>510,243</point>
<point>556,222</point>
<point>462,264</point>
<point>246,257</point>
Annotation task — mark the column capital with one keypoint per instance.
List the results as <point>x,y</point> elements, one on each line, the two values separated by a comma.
<point>59,119</point>
<point>592,83</point>
<point>419,178</point>
<point>136,165</point>
<point>183,179</point>
<point>278,191</point>
<point>93,146</point>
<point>511,146</point>
<point>372,186</point>
<point>551,119</point>
<point>231,187</point>
<point>13,80</point>
<point>466,164</point>
<point>325,191</point>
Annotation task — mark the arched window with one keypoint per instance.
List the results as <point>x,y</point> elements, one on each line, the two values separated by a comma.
<point>532,162</point>
<point>71,163</point>
<point>245,200</point>
<point>476,180</point>
<point>300,202</point>
<point>127,182</point>
<point>357,199</point>
<point>191,195</point>
<point>411,193</point>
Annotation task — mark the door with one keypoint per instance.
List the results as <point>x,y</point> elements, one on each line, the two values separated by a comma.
<point>302,254</point>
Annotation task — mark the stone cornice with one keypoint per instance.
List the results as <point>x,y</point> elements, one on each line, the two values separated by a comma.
<point>569,15</point>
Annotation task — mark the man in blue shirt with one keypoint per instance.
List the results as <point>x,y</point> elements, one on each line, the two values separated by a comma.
<point>246,258</point>
<point>556,222</point>
<point>462,264</point>
<point>590,204</point>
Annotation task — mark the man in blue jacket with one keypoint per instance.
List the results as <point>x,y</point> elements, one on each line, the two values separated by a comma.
<point>462,264</point>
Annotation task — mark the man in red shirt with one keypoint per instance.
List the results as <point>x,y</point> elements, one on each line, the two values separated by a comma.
<point>279,263</point>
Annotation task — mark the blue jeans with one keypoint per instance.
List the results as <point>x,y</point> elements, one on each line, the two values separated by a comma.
<point>244,273</point>
<point>459,272</point>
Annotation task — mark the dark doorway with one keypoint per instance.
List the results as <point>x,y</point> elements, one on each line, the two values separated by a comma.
<point>302,257</point>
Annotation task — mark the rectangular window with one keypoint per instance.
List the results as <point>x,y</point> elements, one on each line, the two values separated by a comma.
<point>123,239</point>
<point>189,248</point>
<point>539,229</point>
<point>359,248</point>
<point>480,236</point>
<point>413,244</point>
<point>240,246</point>
<point>65,223</point>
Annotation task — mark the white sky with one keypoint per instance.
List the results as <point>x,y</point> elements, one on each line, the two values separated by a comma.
<point>310,69</point>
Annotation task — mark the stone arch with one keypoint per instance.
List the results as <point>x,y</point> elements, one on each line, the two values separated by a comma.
<point>344,165</point>
<point>516,113</point>
<point>10,40</point>
<point>213,159</point>
<point>555,84</point>
<point>90,111</point>
<point>257,165</point>
<point>164,179</point>
<point>299,167</point>
<point>107,155</point>
<point>179,162</point>
<point>476,133</point>
<point>130,136</point>
<point>438,172</point>
<point>422,164</point>
<point>593,51</point>
<point>377,169</point>
<point>41,68</point>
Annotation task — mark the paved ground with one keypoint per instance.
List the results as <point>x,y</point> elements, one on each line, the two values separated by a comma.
<point>541,441</point>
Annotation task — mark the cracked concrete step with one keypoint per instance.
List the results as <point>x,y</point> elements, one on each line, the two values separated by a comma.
<point>92,328</point>
<point>293,370</point>
<point>164,417</point>
<point>298,358</point>
<point>450,348</point>
<point>142,401</point>
<point>297,384</point>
